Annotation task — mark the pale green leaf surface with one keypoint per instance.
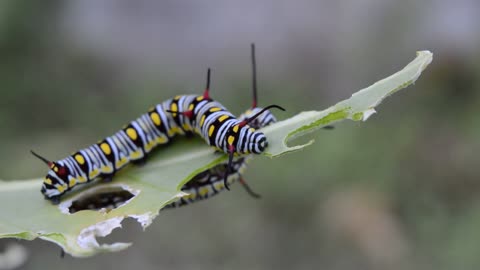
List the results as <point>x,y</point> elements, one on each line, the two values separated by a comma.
<point>26,215</point>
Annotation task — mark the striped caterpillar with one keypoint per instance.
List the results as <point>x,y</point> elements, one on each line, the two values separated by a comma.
<point>211,182</point>
<point>182,115</point>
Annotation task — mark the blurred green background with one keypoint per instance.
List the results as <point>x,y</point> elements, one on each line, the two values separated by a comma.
<point>397,192</point>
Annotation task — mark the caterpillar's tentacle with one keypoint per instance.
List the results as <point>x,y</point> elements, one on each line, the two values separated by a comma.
<point>248,189</point>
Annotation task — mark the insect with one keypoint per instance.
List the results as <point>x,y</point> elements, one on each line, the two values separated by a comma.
<point>211,181</point>
<point>181,115</point>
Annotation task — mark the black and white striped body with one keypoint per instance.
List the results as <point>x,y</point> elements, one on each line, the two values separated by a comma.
<point>207,118</point>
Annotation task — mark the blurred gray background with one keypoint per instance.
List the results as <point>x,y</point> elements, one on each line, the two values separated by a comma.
<point>397,192</point>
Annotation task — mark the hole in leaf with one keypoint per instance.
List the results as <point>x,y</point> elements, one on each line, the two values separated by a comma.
<point>107,199</point>
<point>128,232</point>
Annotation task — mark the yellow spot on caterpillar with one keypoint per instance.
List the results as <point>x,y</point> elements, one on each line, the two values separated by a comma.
<point>124,160</point>
<point>215,109</point>
<point>219,185</point>
<point>162,140</point>
<point>47,181</point>
<point>72,182</point>
<point>235,128</point>
<point>106,169</point>
<point>94,173</point>
<point>156,119</point>
<point>210,130</point>
<point>177,97</point>
<point>202,120</point>
<point>186,127</point>
<point>150,145</point>
<point>61,189</point>
<point>55,169</point>
<point>82,179</point>
<point>199,98</point>
<point>106,148</point>
<point>231,139</point>
<point>174,130</point>
<point>191,107</point>
<point>191,196</point>
<point>252,129</point>
<point>79,158</point>
<point>132,133</point>
<point>135,155</point>
<point>173,107</point>
<point>222,118</point>
<point>203,191</point>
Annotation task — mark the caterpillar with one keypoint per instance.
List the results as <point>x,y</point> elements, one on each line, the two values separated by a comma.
<point>181,115</point>
<point>211,181</point>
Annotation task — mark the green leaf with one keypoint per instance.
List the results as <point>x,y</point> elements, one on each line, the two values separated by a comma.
<point>26,215</point>
<point>360,106</point>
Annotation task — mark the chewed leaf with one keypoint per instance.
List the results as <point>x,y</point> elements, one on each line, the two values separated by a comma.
<point>359,107</point>
<point>140,192</point>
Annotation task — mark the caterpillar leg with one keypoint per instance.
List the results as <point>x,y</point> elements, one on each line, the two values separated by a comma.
<point>55,199</point>
<point>140,162</point>
<point>189,135</point>
<point>248,189</point>
<point>231,151</point>
<point>108,178</point>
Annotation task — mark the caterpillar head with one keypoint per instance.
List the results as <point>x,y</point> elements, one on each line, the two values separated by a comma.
<point>258,118</point>
<point>55,182</point>
<point>259,143</point>
<point>243,138</point>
